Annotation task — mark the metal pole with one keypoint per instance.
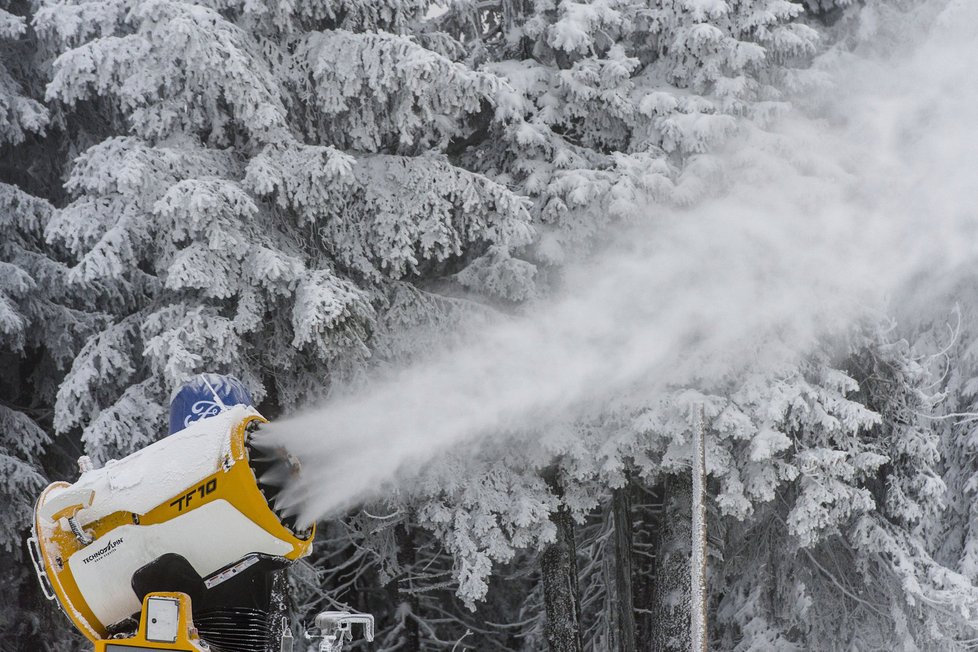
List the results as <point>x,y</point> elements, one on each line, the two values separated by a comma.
<point>697,566</point>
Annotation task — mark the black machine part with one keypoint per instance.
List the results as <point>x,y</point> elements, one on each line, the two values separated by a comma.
<point>230,607</point>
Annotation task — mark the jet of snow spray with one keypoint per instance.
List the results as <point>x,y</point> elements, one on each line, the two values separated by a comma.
<point>824,219</point>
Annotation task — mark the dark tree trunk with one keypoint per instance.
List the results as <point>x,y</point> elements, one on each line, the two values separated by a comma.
<point>646,518</point>
<point>558,566</point>
<point>409,638</point>
<point>671,601</point>
<point>558,570</point>
<point>620,587</point>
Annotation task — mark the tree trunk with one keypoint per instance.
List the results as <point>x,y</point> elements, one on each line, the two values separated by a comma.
<point>620,586</point>
<point>672,601</point>
<point>647,507</point>
<point>558,567</point>
<point>409,637</point>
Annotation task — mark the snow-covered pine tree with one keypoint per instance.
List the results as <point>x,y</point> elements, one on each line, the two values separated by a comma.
<point>843,552</point>
<point>40,328</point>
<point>609,107</point>
<point>945,345</point>
<point>594,121</point>
<point>29,281</point>
<point>20,114</point>
<point>262,198</point>
<point>825,488</point>
<point>30,284</point>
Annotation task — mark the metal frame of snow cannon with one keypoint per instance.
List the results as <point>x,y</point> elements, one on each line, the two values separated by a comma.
<point>336,629</point>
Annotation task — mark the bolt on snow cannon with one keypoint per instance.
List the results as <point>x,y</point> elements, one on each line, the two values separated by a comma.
<point>183,532</point>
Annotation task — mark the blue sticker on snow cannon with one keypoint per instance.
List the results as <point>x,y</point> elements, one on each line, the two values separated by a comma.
<point>205,396</point>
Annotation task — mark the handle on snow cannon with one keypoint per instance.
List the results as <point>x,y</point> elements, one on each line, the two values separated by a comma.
<point>287,640</point>
<point>189,513</point>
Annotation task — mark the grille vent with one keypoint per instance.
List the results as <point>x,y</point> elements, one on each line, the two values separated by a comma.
<point>233,629</point>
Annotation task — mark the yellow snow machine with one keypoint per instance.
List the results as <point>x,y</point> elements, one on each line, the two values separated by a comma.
<point>174,546</point>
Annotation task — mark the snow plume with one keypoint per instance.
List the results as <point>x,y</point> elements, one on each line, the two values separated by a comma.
<point>861,194</point>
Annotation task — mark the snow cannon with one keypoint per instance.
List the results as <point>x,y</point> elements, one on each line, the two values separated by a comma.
<point>188,515</point>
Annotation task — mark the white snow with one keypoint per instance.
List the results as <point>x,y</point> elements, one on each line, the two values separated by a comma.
<point>150,476</point>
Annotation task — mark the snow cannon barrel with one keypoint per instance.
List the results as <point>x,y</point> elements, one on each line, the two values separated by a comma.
<point>189,513</point>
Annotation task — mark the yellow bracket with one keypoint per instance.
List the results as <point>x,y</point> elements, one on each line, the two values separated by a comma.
<point>165,623</point>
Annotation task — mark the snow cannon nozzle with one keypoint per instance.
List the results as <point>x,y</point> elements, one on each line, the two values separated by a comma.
<point>267,451</point>
<point>274,468</point>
